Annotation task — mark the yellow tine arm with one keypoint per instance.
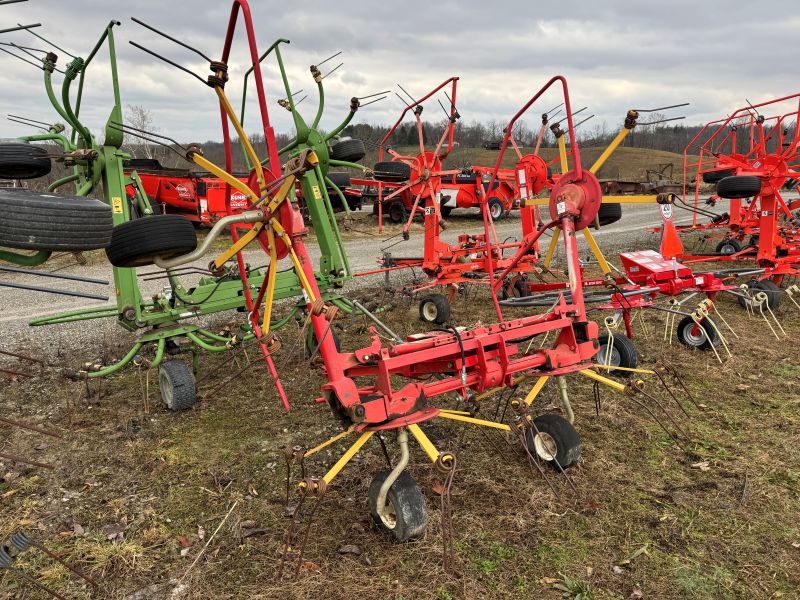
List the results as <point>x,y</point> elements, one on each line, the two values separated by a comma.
<point>598,254</point>
<point>424,442</point>
<point>240,243</point>
<point>537,387</point>
<point>638,199</point>
<point>301,276</point>
<point>609,151</point>
<point>474,421</point>
<point>562,153</point>
<point>271,279</point>
<point>225,176</point>
<point>281,194</point>
<point>327,443</point>
<point>551,250</point>
<point>347,457</point>
<point>628,369</point>
<point>242,137</point>
<point>604,380</point>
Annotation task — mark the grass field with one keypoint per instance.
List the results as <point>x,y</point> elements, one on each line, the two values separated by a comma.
<point>136,498</point>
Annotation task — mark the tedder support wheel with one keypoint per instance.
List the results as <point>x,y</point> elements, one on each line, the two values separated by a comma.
<point>21,160</point>
<point>623,354</point>
<point>729,246</point>
<point>348,150</point>
<point>716,176</point>
<point>397,212</point>
<point>392,171</point>
<point>176,382</point>
<point>311,341</point>
<point>770,288</point>
<point>137,243</point>
<point>407,514</point>
<point>33,221</point>
<point>609,213</point>
<point>496,209</point>
<point>340,180</point>
<point>557,441</point>
<point>739,186</point>
<point>434,308</point>
<point>700,335</point>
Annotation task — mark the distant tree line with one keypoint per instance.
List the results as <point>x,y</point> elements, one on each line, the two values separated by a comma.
<point>670,137</point>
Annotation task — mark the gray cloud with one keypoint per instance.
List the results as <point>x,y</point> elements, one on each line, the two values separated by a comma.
<point>616,55</point>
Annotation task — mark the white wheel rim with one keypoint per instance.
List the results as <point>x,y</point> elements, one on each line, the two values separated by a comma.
<point>166,388</point>
<point>389,515</point>
<point>615,359</point>
<point>694,339</point>
<point>430,311</point>
<point>545,446</point>
<point>727,249</point>
<point>496,210</point>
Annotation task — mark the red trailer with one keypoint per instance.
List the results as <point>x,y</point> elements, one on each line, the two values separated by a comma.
<point>200,196</point>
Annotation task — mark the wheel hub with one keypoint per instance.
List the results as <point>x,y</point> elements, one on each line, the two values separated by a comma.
<point>545,446</point>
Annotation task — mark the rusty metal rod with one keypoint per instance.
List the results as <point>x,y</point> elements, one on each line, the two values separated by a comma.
<point>22,356</point>
<point>35,428</point>
<point>25,461</point>
<point>19,373</point>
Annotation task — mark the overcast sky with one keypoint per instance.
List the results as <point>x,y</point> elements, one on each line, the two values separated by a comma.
<point>616,55</point>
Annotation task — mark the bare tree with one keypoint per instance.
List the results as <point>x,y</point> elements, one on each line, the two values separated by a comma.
<point>140,118</point>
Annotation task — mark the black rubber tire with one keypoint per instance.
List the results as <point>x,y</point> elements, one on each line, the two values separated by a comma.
<point>770,288</point>
<point>391,171</point>
<point>562,433</point>
<point>685,336</point>
<point>445,210</point>
<point>728,247</point>
<point>623,354</point>
<point>21,160</point>
<point>497,208</point>
<point>351,150</point>
<point>609,213</point>
<point>516,289</point>
<point>739,186</point>
<point>311,341</point>
<point>397,212</point>
<point>434,308</point>
<point>137,243</point>
<point>176,382</point>
<point>340,180</point>
<point>408,502</point>
<point>716,176</point>
<point>32,221</point>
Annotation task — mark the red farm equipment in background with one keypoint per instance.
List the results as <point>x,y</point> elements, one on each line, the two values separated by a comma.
<point>761,226</point>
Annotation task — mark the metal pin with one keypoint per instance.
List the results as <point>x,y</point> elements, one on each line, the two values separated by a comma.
<point>172,39</point>
<point>641,110</point>
<point>373,102</point>
<point>20,27</point>
<point>373,95</point>
<point>329,58</point>
<point>47,41</point>
<point>22,58</point>
<point>577,112</point>
<point>406,93</point>
<point>331,71</point>
<point>169,62</point>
